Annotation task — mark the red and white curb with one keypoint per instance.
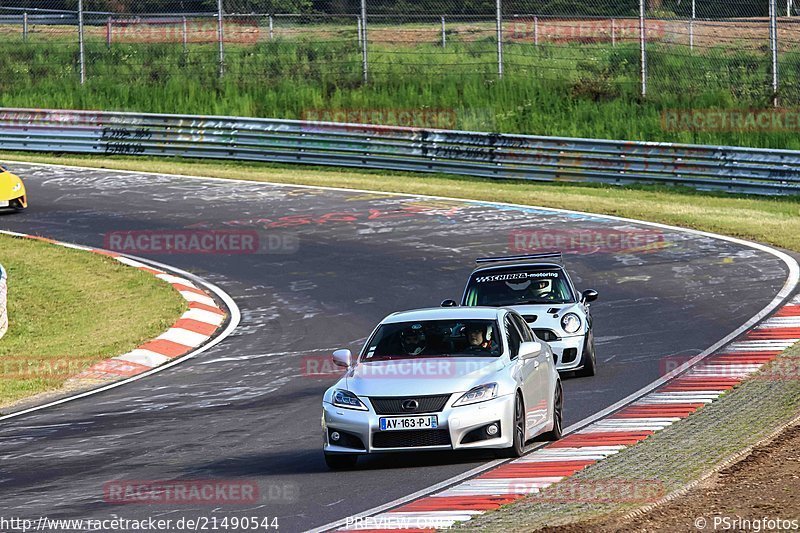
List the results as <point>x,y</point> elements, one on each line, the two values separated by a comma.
<point>670,402</point>
<point>197,330</point>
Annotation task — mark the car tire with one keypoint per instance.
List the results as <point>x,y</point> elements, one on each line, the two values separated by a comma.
<point>558,416</point>
<point>517,448</point>
<point>341,461</point>
<point>588,359</point>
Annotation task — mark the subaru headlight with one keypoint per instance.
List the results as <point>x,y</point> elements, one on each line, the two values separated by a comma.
<point>571,323</point>
<point>477,395</point>
<point>347,400</point>
<point>17,187</point>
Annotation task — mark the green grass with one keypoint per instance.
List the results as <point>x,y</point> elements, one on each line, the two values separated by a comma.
<point>576,90</point>
<point>69,309</point>
<point>774,221</point>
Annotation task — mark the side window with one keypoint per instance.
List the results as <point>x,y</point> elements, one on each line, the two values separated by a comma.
<point>513,337</point>
<point>525,330</point>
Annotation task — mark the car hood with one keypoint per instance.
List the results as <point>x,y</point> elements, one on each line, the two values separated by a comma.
<point>429,376</point>
<point>7,183</point>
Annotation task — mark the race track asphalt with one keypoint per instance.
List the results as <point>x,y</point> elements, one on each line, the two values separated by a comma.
<point>247,410</point>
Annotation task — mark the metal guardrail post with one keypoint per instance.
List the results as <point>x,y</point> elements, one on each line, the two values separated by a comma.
<point>773,45</point>
<point>499,22</point>
<point>81,51</point>
<point>221,38</point>
<point>643,46</point>
<point>364,42</point>
<point>25,27</point>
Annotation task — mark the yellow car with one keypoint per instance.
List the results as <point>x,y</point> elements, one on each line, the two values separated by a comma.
<point>12,190</point>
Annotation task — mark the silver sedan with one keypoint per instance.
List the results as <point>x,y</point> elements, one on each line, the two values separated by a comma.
<point>443,379</point>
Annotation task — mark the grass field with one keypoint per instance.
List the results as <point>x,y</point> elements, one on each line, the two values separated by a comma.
<point>557,88</point>
<point>771,220</point>
<point>69,309</point>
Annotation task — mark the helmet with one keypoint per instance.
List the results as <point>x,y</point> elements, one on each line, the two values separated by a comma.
<point>413,340</point>
<point>485,329</point>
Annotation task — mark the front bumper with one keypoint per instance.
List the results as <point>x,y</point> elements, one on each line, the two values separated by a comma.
<point>455,425</point>
<point>14,202</point>
<point>568,352</point>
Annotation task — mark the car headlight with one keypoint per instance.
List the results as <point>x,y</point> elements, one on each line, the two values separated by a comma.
<point>571,322</point>
<point>347,400</point>
<point>477,394</point>
<point>17,187</point>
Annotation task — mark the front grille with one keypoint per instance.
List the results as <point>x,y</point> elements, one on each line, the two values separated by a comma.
<point>411,438</point>
<point>547,335</point>
<point>394,406</point>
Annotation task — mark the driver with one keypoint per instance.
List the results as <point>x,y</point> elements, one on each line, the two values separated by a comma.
<point>479,337</point>
<point>542,289</point>
<point>413,340</point>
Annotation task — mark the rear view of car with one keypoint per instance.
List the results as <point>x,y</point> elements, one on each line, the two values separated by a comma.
<point>12,190</point>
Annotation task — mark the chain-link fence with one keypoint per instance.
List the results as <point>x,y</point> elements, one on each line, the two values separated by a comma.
<point>292,54</point>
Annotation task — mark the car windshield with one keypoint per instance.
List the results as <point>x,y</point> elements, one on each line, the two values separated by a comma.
<point>434,338</point>
<point>518,287</point>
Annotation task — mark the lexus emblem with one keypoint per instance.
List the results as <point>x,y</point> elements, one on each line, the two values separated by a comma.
<point>410,405</point>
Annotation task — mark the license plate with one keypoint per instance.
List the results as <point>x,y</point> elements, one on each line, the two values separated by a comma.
<point>409,422</point>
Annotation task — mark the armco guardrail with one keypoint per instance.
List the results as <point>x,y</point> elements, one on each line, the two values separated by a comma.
<point>3,301</point>
<point>720,168</point>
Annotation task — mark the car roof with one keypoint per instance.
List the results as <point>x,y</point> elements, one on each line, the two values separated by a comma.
<point>517,266</point>
<point>445,313</point>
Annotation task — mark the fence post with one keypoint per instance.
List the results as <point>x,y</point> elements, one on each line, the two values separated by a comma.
<point>691,25</point>
<point>360,34</point>
<point>108,33</point>
<point>536,31</point>
<point>25,27</point>
<point>185,34</point>
<point>773,45</point>
<point>271,28</point>
<point>499,21</point>
<point>643,46</point>
<point>221,38</point>
<point>613,32</point>
<point>364,56</point>
<point>788,8</point>
<point>81,51</point>
<point>444,34</point>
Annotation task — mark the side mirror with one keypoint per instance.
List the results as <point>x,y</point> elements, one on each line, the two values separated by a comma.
<point>529,350</point>
<point>589,295</point>
<point>342,358</point>
<point>449,303</point>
